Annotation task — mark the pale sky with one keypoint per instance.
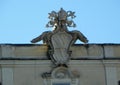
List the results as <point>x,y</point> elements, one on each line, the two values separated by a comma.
<point>23,20</point>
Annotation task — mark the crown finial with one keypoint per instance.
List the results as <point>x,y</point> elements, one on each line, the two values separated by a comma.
<point>56,18</point>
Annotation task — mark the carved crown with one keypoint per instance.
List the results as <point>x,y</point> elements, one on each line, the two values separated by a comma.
<point>62,16</point>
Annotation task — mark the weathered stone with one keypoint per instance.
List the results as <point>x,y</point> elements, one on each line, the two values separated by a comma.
<point>59,61</point>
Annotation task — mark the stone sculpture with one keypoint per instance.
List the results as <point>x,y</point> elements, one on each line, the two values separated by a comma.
<point>59,42</point>
<point>60,39</point>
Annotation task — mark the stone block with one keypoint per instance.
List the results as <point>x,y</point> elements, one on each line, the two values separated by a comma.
<point>31,52</point>
<point>116,51</point>
<point>91,51</point>
<point>95,51</point>
<point>78,52</point>
<point>7,51</point>
<point>108,51</point>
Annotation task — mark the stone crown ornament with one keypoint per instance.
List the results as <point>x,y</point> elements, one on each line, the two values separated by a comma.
<point>61,17</point>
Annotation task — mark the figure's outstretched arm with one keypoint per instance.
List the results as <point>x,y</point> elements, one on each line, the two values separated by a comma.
<point>82,37</point>
<point>36,39</point>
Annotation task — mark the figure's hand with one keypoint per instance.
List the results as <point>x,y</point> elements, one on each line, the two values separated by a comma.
<point>32,41</point>
<point>86,41</point>
<point>37,39</point>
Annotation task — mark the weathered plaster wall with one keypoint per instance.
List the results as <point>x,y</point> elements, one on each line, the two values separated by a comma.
<point>92,72</point>
<point>97,64</point>
<point>118,75</point>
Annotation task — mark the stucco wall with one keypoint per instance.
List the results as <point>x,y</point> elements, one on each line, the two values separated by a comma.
<point>97,64</point>
<point>16,72</point>
<point>92,72</point>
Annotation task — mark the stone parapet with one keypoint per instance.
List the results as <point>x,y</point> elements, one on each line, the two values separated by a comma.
<point>79,51</point>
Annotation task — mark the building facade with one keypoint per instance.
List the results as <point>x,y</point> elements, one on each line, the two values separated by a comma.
<point>59,61</point>
<point>96,64</point>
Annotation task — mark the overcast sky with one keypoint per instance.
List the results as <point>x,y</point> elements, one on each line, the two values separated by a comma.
<point>23,20</point>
